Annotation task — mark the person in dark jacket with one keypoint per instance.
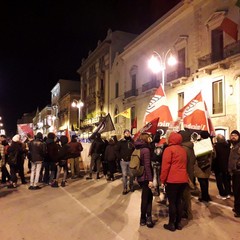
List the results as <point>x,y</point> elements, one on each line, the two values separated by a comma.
<point>50,161</point>
<point>96,152</point>
<point>174,176</point>
<point>62,157</point>
<point>220,167</point>
<point>37,151</point>
<point>75,155</point>
<point>125,148</point>
<point>234,169</point>
<point>16,149</point>
<point>110,156</point>
<point>146,180</point>
<point>5,174</point>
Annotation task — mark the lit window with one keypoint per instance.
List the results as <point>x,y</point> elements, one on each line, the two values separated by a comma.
<point>217,97</point>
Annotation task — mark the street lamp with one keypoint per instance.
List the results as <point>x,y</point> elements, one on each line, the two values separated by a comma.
<point>157,63</point>
<point>78,104</point>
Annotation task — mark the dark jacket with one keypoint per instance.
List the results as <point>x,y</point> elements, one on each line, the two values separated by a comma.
<point>110,154</point>
<point>17,148</point>
<point>75,149</point>
<point>220,162</point>
<point>52,151</point>
<point>174,162</point>
<point>37,150</point>
<point>97,147</point>
<point>125,148</point>
<point>145,158</point>
<point>234,157</point>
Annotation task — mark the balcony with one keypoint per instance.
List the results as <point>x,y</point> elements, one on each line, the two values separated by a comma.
<point>181,73</point>
<point>131,93</point>
<point>228,51</point>
<point>150,85</point>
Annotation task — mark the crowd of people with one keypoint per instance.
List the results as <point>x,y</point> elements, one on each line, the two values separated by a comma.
<point>51,159</point>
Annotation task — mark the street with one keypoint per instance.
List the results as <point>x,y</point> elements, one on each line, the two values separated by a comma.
<point>96,209</point>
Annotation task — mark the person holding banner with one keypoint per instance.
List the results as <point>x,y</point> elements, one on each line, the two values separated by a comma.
<point>203,172</point>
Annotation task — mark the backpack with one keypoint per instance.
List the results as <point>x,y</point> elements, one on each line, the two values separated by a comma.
<point>135,167</point>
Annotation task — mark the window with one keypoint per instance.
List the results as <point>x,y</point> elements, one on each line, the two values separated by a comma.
<point>134,81</point>
<point>217,45</point>
<point>217,97</point>
<point>181,63</point>
<point>116,118</point>
<point>180,100</point>
<point>116,90</point>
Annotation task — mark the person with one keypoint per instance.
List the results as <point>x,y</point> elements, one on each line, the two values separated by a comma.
<point>96,152</point>
<point>146,180</point>
<point>220,167</point>
<point>125,148</point>
<point>37,152</point>
<point>191,160</point>
<point>174,177</point>
<point>62,157</point>
<point>3,150</point>
<point>75,155</point>
<point>16,149</point>
<point>49,164</point>
<point>110,156</point>
<point>234,169</point>
<point>203,174</point>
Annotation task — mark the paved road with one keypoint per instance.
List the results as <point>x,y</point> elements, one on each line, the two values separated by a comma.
<point>90,210</point>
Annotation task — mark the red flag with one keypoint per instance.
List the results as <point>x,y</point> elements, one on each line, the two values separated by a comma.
<point>158,108</point>
<point>134,123</point>
<point>67,135</point>
<point>230,27</point>
<point>211,129</point>
<point>194,114</point>
<point>150,127</point>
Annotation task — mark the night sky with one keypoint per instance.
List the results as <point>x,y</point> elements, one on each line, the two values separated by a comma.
<point>42,41</point>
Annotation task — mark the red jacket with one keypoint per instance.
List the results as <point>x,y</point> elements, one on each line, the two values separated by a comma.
<point>174,161</point>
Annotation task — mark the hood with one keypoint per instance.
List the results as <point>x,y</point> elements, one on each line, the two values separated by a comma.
<point>186,135</point>
<point>64,139</point>
<point>39,136</point>
<point>174,138</point>
<point>141,144</point>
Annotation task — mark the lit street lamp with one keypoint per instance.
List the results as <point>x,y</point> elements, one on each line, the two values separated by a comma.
<point>157,63</point>
<point>78,104</point>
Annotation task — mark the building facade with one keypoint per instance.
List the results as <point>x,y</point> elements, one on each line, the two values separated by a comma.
<point>203,35</point>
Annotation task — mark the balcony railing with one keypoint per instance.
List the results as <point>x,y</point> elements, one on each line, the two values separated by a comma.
<point>228,51</point>
<point>150,85</point>
<point>185,72</point>
<point>131,93</point>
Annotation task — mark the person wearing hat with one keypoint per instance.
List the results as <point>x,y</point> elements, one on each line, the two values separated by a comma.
<point>16,161</point>
<point>124,149</point>
<point>75,154</point>
<point>234,169</point>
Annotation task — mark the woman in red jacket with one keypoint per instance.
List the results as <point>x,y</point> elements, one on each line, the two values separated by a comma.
<point>174,176</point>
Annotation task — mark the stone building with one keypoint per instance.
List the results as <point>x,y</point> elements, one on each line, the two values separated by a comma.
<point>203,35</point>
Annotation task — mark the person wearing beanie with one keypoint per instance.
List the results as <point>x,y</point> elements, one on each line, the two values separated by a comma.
<point>37,153</point>
<point>234,169</point>
<point>16,156</point>
<point>124,149</point>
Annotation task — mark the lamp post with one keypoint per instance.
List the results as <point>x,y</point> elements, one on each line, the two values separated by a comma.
<point>78,104</point>
<point>157,63</point>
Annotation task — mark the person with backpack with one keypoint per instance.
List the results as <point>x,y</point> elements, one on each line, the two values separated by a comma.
<point>146,179</point>
<point>124,149</point>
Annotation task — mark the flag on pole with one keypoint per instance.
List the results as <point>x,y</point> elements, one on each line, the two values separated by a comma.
<point>230,27</point>
<point>134,123</point>
<point>126,113</point>
<point>150,127</point>
<point>158,108</point>
<point>106,125</point>
<point>194,114</point>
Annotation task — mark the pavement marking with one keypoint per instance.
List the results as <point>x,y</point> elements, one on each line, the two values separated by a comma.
<point>94,215</point>
<point>214,203</point>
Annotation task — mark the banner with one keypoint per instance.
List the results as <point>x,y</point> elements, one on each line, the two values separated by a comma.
<point>24,129</point>
<point>194,114</point>
<point>126,113</point>
<point>158,108</point>
<point>150,127</point>
<point>106,125</point>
